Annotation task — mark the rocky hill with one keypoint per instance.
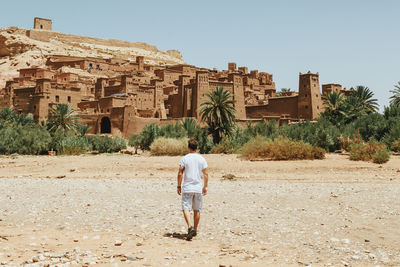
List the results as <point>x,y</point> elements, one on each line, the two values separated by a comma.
<point>22,48</point>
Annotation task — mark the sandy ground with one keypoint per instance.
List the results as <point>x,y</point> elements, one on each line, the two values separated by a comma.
<point>116,210</point>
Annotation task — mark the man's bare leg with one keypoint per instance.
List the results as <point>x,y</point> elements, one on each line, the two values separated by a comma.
<point>196,219</point>
<point>186,214</point>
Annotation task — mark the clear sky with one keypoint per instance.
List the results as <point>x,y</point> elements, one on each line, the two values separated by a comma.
<point>353,42</point>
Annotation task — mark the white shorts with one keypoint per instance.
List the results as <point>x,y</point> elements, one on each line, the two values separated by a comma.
<point>192,201</point>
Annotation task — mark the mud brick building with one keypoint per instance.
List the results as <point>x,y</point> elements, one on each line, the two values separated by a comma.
<point>42,24</point>
<point>120,96</point>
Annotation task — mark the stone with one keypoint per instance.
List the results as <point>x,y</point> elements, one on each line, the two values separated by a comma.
<point>55,256</point>
<point>118,243</point>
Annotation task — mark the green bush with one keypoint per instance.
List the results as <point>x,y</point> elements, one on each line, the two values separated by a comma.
<point>73,145</point>
<point>381,156</point>
<point>172,131</point>
<point>322,134</point>
<point>149,134</point>
<point>135,141</point>
<point>105,144</point>
<point>371,126</point>
<point>205,142</point>
<point>226,146</point>
<point>8,117</point>
<point>280,149</point>
<point>365,151</point>
<point>58,136</point>
<point>163,146</point>
<point>29,139</point>
<point>266,129</point>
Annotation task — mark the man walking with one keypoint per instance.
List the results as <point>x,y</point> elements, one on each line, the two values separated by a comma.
<point>192,165</point>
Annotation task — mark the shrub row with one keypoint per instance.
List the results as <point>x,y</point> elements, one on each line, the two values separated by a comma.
<point>185,129</point>
<point>280,149</point>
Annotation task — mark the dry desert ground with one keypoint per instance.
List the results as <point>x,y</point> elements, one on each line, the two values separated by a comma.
<point>117,210</point>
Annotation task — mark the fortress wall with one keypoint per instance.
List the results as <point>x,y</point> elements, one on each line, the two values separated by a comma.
<point>276,107</point>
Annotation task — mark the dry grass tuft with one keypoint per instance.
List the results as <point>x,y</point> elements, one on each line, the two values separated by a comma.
<point>346,142</point>
<point>280,149</point>
<point>371,151</point>
<point>168,147</point>
<point>396,146</point>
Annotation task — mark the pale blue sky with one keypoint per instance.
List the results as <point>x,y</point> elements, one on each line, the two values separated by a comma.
<point>353,42</point>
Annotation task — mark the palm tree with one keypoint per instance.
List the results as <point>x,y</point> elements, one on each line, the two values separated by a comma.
<point>7,114</point>
<point>190,126</point>
<point>10,117</point>
<point>283,91</point>
<point>219,113</point>
<point>353,108</point>
<point>62,117</point>
<point>395,98</point>
<point>82,129</point>
<point>335,108</point>
<point>334,103</point>
<point>363,99</point>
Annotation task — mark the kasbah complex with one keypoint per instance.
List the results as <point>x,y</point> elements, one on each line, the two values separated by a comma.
<point>132,94</point>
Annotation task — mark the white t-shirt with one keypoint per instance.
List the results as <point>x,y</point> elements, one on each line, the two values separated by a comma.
<point>194,165</point>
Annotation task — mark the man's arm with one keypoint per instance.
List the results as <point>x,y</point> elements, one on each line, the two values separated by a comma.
<point>205,176</point>
<point>180,178</point>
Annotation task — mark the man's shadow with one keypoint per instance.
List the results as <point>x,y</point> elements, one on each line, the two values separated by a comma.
<point>176,235</point>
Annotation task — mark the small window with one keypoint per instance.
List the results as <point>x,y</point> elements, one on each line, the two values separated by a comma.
<point>306,107</point>
<point>41,26</point>
<point>305,95</point>
<point>317,107</point>
<point>65,79</point>
<point>69,99</point>
<point>57,98</point>
<point>108,110</point>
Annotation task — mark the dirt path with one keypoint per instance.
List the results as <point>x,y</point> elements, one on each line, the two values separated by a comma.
<point>275,213</point>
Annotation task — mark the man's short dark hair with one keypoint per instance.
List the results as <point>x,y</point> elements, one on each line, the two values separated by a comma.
<point>192,144</point>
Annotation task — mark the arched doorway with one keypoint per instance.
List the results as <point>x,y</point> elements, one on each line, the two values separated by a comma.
<point>105,125</point>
